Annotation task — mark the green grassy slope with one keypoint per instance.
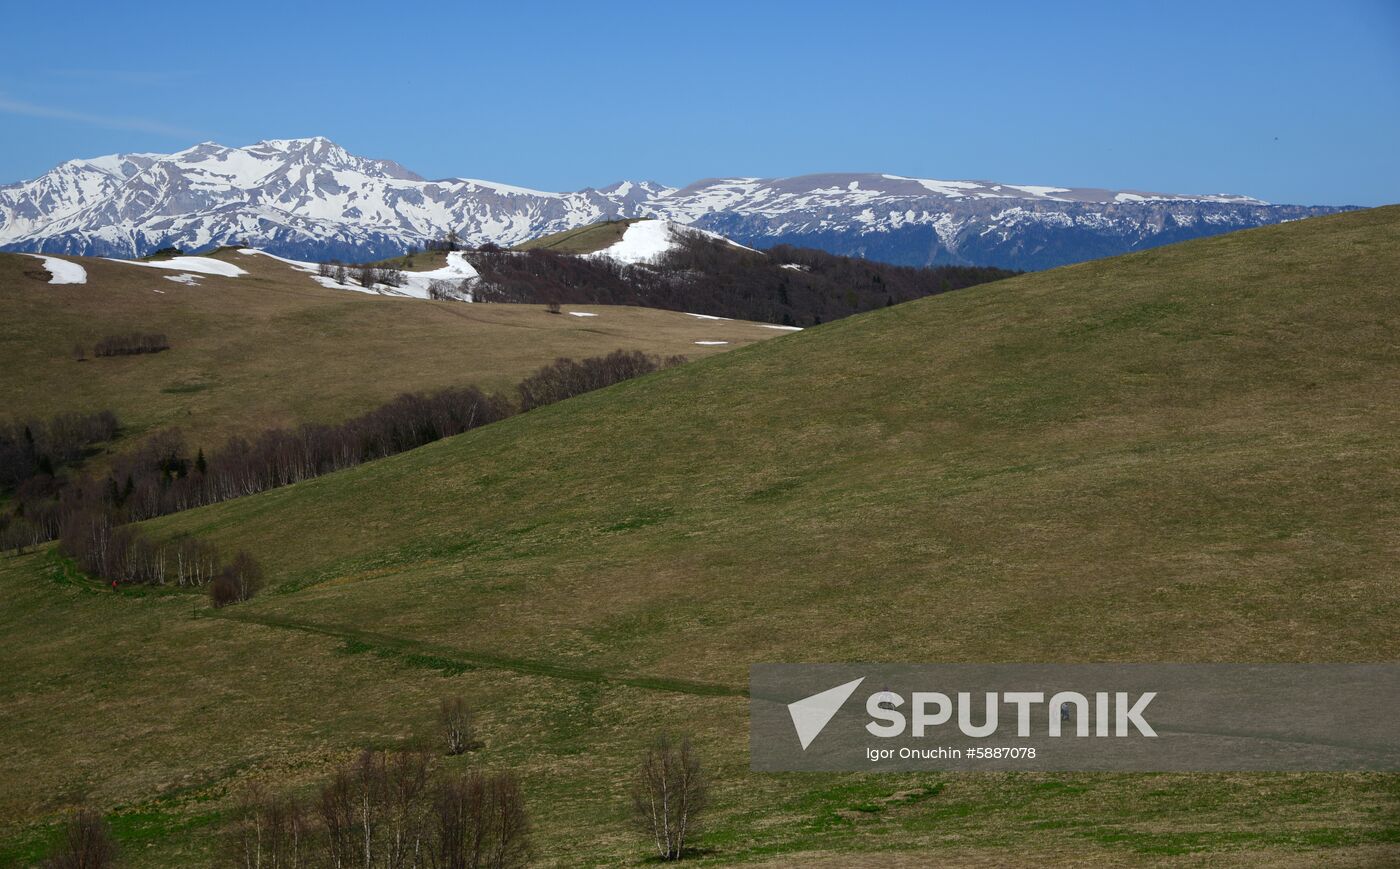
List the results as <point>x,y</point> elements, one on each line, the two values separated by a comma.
<point>274,348</point>
<point>584,239</point>
<point>1200,434</point>
<point>1187,454</point>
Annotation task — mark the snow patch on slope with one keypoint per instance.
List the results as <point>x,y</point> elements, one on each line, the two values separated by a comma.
<point>61,271</point>
<point>201,265</point>
<point>642,242</point>
<point>646,241</point>
<point>415,284</point>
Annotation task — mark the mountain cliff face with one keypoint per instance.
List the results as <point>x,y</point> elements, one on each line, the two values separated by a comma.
<point>310,199</point>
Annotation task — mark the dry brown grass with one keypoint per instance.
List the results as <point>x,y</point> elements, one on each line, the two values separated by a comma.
<point>274,348</point>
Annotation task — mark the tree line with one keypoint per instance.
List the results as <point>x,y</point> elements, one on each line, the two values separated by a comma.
<point>404,809</point>
<point>364,275</point>
<point>131,344</point>
<point>118,554</point>
<point>787,285</point>
<point>165,476</point>
<point>42,447</point>
<point>386,808</point>
<point>565,378</point>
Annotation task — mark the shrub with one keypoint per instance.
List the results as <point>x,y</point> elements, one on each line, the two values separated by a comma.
<point>87,844</point>
<point>236,582</point>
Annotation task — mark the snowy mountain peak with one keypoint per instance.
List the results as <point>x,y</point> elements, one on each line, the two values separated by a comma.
<point>310,198</point>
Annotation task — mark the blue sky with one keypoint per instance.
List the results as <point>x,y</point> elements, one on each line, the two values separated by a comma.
<point>1291,102</point>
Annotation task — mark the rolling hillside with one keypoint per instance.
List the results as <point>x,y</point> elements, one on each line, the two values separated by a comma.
<point>238,341</point>
<point>1186,454</point>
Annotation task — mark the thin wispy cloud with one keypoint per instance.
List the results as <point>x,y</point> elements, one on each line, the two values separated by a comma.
<point>111,122</point>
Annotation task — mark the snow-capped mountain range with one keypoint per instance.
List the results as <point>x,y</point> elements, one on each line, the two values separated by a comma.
<point>312,200</point>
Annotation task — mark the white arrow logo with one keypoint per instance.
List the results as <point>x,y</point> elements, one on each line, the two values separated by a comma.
<point>811,714</point>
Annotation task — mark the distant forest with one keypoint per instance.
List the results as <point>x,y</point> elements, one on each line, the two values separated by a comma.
<point>702,275</point>
<point>89,512</point>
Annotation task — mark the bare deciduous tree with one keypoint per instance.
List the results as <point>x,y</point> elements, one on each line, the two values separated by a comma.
<point>271,831</point>
<point>457,727</point>
<point>480,822</point>
<point>87,844</point>
<point>391,810</point>
<point>238,581</point>
<point>447,291</point>
<point>668,794</point>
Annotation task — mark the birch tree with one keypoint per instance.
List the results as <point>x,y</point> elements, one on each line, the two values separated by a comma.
<point>668,794</point>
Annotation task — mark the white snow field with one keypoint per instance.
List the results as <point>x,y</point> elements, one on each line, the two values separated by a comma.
<point>187,279</point>
<point>200,265</point>
<point>61,271</point>
<point>711,343</point>
<point>781,328</point>
<point>581,314</point>
<point>642,242</point>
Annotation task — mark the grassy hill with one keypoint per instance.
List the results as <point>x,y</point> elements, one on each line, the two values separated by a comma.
<point>272,347</point>
<point>584,239</point>
<point>415,261</point>
<point>709,275</point>
<point>1187,454</point>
